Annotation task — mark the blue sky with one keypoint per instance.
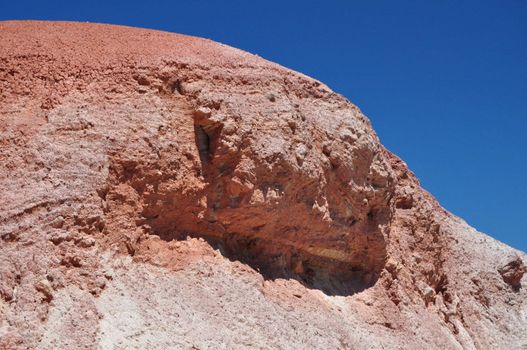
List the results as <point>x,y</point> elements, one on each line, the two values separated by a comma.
<point>443,82</point>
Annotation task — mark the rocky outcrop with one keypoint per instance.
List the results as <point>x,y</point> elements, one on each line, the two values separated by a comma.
<point>512,272</point>
<point>164,191</point>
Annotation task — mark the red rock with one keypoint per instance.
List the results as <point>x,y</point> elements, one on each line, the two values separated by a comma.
<point>184,193</point>
<point>513,271</point>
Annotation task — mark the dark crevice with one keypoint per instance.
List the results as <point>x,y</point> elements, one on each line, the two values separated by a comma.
<point>280,261</point>
<point>206,135</point>
<point>176,87</point>
<point>203,144</point>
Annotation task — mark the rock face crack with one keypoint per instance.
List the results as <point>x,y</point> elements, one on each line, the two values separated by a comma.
<point>203,143</point>
<point>207,134</point>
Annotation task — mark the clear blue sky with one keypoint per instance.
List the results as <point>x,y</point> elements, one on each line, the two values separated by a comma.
<point>443,82</point>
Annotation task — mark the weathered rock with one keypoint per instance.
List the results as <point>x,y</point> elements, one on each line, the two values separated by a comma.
<point>513,271</point>
<point>44,287</point>
<point>180,193</point>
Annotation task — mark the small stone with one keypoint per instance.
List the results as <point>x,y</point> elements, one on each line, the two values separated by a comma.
<point>58,222</point>
<point>418,258</point>
<point>393,267</point>
<point>108,274</point>
<point>86,242</point>
<point>203,112</point>
<point>142,80</point>
<point>428,293</point>
<point>513,271</point>
<point>335,159</point>
<point>300,152</point>
<point>44,287</point>
<point>55,278</point>
<point>60,236</point>
<point>292,125</point>
<point>71,260</point>
<point>229,127</point>
<point>271,97</point>
<point>347,136</point>
<point>326,148</point>
<point>100,282</point>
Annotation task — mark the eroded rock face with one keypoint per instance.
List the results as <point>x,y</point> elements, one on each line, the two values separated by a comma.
<point>144,169</point>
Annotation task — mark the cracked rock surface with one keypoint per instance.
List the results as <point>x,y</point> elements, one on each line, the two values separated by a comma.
<point>165,191</point>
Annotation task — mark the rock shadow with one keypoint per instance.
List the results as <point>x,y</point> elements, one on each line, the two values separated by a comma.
<point>272,261</point>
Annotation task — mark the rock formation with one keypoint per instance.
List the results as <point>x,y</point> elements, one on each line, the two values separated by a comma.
<point>163,191</point>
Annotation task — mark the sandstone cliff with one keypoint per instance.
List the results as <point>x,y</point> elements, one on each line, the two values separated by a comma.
<point>163,191</point>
